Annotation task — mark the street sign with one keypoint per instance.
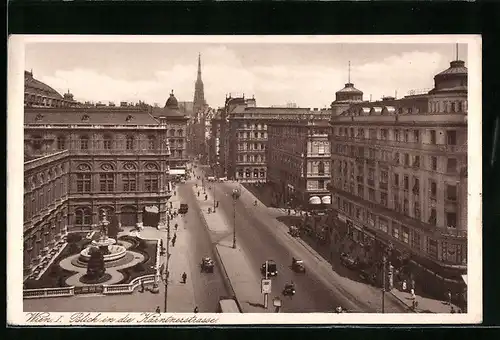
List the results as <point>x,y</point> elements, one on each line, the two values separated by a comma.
<point>265,286</point>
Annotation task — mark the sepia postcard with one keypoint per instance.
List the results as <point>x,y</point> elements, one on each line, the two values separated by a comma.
<point>211,180</point>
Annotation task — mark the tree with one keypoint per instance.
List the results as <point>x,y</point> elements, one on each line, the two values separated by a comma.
<point>113,228</point>
<point>95,266</point>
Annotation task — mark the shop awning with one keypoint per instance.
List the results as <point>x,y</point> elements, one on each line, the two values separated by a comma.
<point>314,200</point>
<point>326,200</point>
<point>152,209</point>
<point>464,277</point>
<point>177,171</point>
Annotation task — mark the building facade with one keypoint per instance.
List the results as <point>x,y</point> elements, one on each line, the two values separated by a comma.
<point>80,161</point>
<point>38,94</point>
<point>298,161</point>
<point>399,180</point>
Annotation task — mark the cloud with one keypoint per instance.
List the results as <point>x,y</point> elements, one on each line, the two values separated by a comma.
<point>223,72</point>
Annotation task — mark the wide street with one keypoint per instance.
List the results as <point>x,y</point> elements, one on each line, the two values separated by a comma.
<point>315,291</point>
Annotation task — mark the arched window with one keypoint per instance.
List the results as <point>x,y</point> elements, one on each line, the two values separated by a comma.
<point>151,143</point>
<point>83,217</point>
<point>256,173</point>
<point>321,168</point>
<point>171,132</point>
<point>37,143</point>
<point>108,140</point>
<point>129,143</point>
<point>84,142</point>
<point>180,133</point>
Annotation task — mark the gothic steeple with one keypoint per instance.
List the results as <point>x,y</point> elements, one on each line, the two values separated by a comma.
<point>199,93</point>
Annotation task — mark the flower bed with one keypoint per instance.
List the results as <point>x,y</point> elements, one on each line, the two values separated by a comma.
<point>148,249</point>
<point>55,276</point>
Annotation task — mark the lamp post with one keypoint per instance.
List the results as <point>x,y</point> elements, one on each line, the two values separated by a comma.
<point>215,167</point>
<point>236,195</point>
<point>387,252</point>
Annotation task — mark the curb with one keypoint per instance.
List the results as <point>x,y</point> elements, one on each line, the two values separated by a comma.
<point>403,303</point>
<point>225,276</point>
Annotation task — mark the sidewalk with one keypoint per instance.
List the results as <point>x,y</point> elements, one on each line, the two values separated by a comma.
<point>425,305</point>
<point>213,220</point>
<point>244,283</point>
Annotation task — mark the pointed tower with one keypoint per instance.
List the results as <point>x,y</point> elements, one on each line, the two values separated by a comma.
<point>199,93</point>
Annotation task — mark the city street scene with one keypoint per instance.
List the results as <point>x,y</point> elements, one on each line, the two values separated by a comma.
<point>245,178</point>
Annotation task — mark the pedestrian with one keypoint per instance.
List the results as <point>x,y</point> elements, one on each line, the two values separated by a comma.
<point>142,287</point>
<point>173,241</point>
<point>175,227</point>
<point>449,297</point>
<point>452,310</point>
<point>158,310</point>
<point>412,292</point>
<point>198,194</point>
<point>195,309</point>
<point>184,277</point>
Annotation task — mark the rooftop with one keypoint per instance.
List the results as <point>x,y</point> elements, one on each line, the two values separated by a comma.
<point>34,86</point>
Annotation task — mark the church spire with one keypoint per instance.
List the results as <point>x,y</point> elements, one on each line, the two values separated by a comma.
<point>199,92</point>
<point>199,66</point>
<point>349,73</point>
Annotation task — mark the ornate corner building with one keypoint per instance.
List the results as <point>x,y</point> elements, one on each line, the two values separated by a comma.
<point>80,160</point>
<point>399,178</point>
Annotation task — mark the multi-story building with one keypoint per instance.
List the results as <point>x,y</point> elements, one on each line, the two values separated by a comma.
<point>38,94</point>
<point>399,180</point>
<point>298,161</point>
<point>82,160</point>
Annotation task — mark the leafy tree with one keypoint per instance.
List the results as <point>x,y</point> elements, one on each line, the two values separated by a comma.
<point>113,228</point>
<point>95,266</point>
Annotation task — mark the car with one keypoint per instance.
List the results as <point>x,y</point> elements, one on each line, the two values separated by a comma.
<point>294,231</point>
<point>272,268</point>
<point>222,179</point>
<point>298,266</point>
<point>211,178</point>
<point>348,261</point>
<point>183,209</point>
<point>207,265</point>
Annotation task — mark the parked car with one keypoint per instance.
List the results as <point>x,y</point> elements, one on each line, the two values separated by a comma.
<point>294,231</point>
<point>207,265</point>
<point>272,268</point>
<point>183,209</point>
<point>298,266</point>
<point>348,261</point>
<point>211,178</point>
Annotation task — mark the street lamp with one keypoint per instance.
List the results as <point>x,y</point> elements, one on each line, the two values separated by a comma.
<point>387,253</point>
<point>236,195</point>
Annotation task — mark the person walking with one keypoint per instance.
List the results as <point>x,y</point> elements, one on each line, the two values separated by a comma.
<point>158,310</point>
<point>195,309</point>
<point>174,239</point>
<point>449,297</point>
<point>184,277</point>
<point>142,287</point>
<point>175,226</point>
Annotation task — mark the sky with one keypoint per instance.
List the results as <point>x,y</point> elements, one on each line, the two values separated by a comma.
<point>275,74</point>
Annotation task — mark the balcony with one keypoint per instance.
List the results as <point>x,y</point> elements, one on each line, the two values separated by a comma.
<point>317,174</point>
<point>319,155</point>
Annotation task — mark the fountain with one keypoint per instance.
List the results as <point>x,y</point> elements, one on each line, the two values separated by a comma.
<point>107,246</point>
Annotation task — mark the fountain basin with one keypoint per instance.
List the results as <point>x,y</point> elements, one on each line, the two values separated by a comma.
<point>115,253</point>
<point>106,242</point>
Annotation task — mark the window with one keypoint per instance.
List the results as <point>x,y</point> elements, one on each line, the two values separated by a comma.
<point>416,241</point>
<point>383,224</point>
<point>451,219</point>
<point>361,133</point>
<point>432,248</point>
<point>151,143</point>
<point>451,166</point>
<point>130,143</point>
<point>395,230</point>
<point>83,217</point>
<point>451,137</point>
<point>360,190</point>
<point>180,133</point>
<point>396,158</point>
<point>396,180</point>
<point>107,142</point>
<point>396,135</point>
<point>406,234</point>
<point>151,183</point>
<point>407,136</point>
<point>433,162</point>
<point>407,159</point>
<point>262,173</point>
<point>406,207</point>
<point>37,143</point>
<point>83,182</point>
<point>433,136</point>
<point>372,133</point>
<point>432,217</point>
<point>129,182</point>
<point>383,199</point>
<point>84,143</point>
<point>107,182</point>
<point>416,136</point>
<point>384,176</point>
<point>371,194</point>
<point>416,186</point>
<point>406,182</point>
<point>321,149</point>
<point>383,134</point>
<point>321,184</point>
<point>321,168</point>
<point>416,162</point>
<point>61,143</point>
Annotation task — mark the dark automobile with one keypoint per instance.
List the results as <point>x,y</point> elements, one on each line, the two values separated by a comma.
<point>272,269</point>
<point>183,209</point>
<point>289,290</point>
<point>348,261</point>
<point>207,265</point>
<point>298,265</point>
<point>294,231</point>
